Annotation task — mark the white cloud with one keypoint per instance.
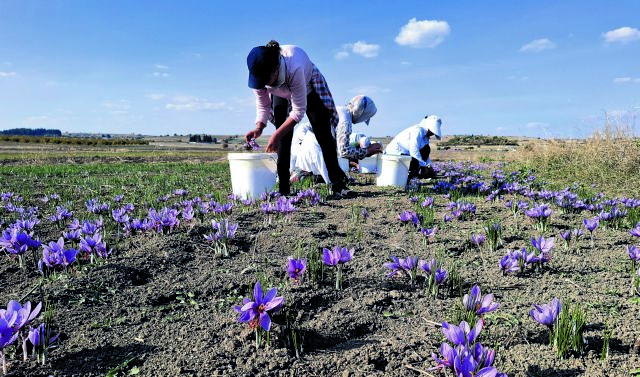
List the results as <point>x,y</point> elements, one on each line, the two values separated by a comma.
<point>161,66</point>
<point>623,35</point>
<point>538,45</point>
<point>160,74</point>
<point>190,103</point>
<point>420,34</point>
<point>155,96</point>
<point>405,63</point>
<point>541,125</point>
<point>627,80</point>
<point>366,49</point>
<point>362,48</point>
<point>342,55</point>
<point>7,74</point>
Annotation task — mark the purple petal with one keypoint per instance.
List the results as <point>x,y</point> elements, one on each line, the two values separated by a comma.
<point>274,303</point>
<point>257,293</point>
<point>265,321</point>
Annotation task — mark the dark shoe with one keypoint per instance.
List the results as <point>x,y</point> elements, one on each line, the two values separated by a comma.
<point>345,193</point>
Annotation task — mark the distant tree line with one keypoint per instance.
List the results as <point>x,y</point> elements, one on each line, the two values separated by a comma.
<point>477,140</point>
<point>202,139</point>
<point>31,132</point>
<point>71,140</point>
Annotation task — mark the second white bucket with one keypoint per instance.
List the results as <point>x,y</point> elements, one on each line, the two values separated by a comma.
<point>369,164</point>
<point>252,173</point>
<point>393,170</point>
<point>344,164</point>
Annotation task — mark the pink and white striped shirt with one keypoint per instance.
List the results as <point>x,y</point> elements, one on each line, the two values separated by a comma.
<point>297,85</point>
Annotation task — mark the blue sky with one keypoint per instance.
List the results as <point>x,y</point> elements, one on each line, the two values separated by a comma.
<point>529,68</point>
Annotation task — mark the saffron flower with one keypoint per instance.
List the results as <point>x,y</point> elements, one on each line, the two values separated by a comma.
<point>256,312</point>
<point>336,256</point>
<point>543,245</point>
<point>409,216</point>
<point>592,224</point>
<point>251,145</point>
<point>40,336</point>
<point>23,314</point>
<point>477,240</point>
<point>395,266</point>
<point>474,302</point>
<point>546,314</point>
<point>428,234</point>
<point>462,335</point>
<point>296,267</point>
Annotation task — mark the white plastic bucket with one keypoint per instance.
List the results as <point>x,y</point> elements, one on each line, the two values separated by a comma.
<point>369,165</point>
<point>344,164</point>
<point>393,170</point>
<point>252,173</point>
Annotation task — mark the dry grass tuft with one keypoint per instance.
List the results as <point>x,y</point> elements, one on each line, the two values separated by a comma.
<point>610,158</point>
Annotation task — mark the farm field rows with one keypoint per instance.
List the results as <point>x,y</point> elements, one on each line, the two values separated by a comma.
<point>154,294</point>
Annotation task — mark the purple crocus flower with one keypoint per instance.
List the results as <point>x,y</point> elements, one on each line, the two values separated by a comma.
<point>428,233</point>
<point>634,253</point>
<point>427,203</point>
<point>256,312</point>
<point>251,145</point>
<point>543,245</point>
<point>40,336</point>
<point>466,365</point>
<point>428,266</point>
<point>546,314</point>
<point>476,303</point>
<point>296,268</point>
<point>592,224</point>
<point>395,265</point>
<point>635,231</point>
<point>566,235</point>
<point>577,233</point>
<point>441,275</point>
<point>336,256</point>
<point>509,264</point>
<point>72,235</point>
<point>24,314</point>
<point>407,216</point>
<point>478,240</point>
<point>448,353</point>
<point>462,335</point>
<point>7,335</point>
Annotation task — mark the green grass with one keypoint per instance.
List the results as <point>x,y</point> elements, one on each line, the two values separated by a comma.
<point>139,182</point>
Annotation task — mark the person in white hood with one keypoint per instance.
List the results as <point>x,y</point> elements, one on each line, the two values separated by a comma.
<point>414,142</point>
<point>306,155</point>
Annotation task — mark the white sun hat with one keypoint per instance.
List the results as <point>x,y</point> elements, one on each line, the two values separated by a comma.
<point>433,123</point>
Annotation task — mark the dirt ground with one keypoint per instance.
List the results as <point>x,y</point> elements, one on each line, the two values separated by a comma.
<point>162,305</point>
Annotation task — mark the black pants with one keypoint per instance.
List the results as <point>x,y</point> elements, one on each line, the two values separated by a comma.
<point>414,166</point>
<point>319,117</point>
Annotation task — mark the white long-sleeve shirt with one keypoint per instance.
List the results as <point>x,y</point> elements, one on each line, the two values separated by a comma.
<point>297,85</point>
<point>409,142</point>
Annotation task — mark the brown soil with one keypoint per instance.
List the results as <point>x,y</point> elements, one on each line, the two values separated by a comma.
<point>165,302</point>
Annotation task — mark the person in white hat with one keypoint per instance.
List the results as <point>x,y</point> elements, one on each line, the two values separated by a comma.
<point>414,142</point>
<point>306,155</point>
